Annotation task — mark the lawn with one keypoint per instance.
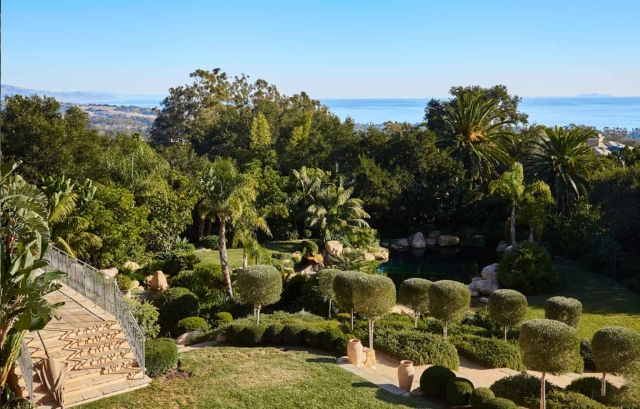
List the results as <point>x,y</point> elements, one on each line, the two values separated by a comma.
<point>230,377</point>
<point>235,255</point>
<point>605,302</point>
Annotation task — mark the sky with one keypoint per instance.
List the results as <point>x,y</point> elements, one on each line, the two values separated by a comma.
<point>329,49</point>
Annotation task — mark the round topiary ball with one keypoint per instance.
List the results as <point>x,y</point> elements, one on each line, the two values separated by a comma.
<point>433,382</point>
<point>508,307</point>
<point>175,304</point>
<point>459,391</point>
<point>616,350</point>
<point>190,324</point>
<point>414,293</point>
<point>161,354</point>
<point>222,318</point>
<point>480,396</point>
<point>499,403</point>
<point>563,309</point>
<point>549,346</point>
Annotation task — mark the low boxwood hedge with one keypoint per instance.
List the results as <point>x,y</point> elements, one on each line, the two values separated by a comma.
<point>273,334</point>
<point>480,396</point>
<point>160,355</point>
<point>190,324</point>
<point>490,352</point>
<point>499,403</point>
<point>458,391</point>
<point>433,381</point>
<point>252,335</point>
<point>313,337</point>
<point>293,334</point>
<point>522,388</point>
<point>330,339</point>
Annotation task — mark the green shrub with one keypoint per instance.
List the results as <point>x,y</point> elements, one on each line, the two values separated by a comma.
<point>202,281</point>
<point>259,286</point>
<point>330,339</point>
<point>549,346</point>
<point>124,282</point>
<point>222,318</point>
<point>490,352</point>
<point>481,317</point>
<point>313,337</point>
<point>296,257</point>
<point>373,296</point>
<point>520,388</point>
<point>309,248</point>
<point>293,334</point>
<point>563,309</point>
<point>175,304</point>
<point>273,333</point>
<point>179,262</point>
<point>571,400</point>
<point>449,301</point>
<point>414,293</point>
<point>499,403</point>
<point>233,332</point>
<point>616,350</point>
<point>418,347</point>
<point>586,353</point>
<point>192,324</point>
<point>343,317</point>
<point>480,396</point>
<point>325,284</point>
<point>146,315</point>
<point>458,391</point>
<point>160,355</point>
<point>508,308</point>
<point>343,343</point>
<point>433,381</point>
<point>528,268</point>
<point>280,256</point>
<point>210,242</point>
<point>252,335</point>
<point>591,387</point>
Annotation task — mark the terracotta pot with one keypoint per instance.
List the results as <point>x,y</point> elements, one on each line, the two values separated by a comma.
<point>405,375</point>
<point>354,352</point>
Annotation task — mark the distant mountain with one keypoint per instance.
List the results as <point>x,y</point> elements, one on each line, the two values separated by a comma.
<point>80,97</point>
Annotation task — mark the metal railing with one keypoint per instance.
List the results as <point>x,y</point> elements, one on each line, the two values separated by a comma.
<point>26,367</point>
<point>103,291</point>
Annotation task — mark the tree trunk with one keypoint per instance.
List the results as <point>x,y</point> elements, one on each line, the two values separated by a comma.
<point>201,227</point>
<point>513,223</point>
<point>370,333</point>
<point>351,319</point>
<point>244,257</point>
<point>604,385</point>
<point>209,223</point>
<point>258,314</point>
<point>415,320</point>
<point>531,239</point>
<point>444,329</point>
<point>329,308</point>
<point>505,332</point>
<point>224,262</point>
<point>543,394</point>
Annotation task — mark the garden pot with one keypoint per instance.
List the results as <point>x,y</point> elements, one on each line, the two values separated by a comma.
<point>354,352</point>
<point>405,375</point>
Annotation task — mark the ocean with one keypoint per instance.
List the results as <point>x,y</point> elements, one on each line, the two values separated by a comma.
<point>598,111</point>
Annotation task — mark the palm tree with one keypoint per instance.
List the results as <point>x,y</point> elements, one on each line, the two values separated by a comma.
<point>227,195</point>
<point>563,160</point>
<point>68,229</point>
<point>510,186</point>
<point>306,182</point>
<point>479,138</point>
<point>334,211</point>
<point>244,230</point>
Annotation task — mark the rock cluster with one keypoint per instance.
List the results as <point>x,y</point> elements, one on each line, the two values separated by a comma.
<point>486,284</point>
<point>418,241</point>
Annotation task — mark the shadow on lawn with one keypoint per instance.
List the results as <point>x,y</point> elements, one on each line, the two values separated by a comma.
<point>323,360</point>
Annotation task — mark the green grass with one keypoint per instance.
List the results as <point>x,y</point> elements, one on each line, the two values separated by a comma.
<point>235,255</point>
<point>605,302</point>
<point>229,377</point>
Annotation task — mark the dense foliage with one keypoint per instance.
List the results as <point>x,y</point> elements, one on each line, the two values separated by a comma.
<point>563,309</point>
<point>528,268</point>
<point>175,304</point>
<point>146,315</point>
<point>458,391</point>
<point>259,286</point>
<point>161,354</point>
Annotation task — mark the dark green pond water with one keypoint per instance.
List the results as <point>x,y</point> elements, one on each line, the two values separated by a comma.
<point>438,263</point>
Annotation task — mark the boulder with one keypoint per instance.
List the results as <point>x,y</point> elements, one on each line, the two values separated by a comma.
<point>131,265</point>
<point>158,281</point>
<point>381,256</point>
<point>488,283</point>
<point>417,241</point>
<point>135,284</point>
<point>110,272</point>
<point>369,358</point>
<point>384,243</point>
<point>221,337</point>
<point>334,248</point>
<point>475,293</point>
<point>400,244</point>
<point>508,249</point>
<point>490,272</point>
<point>446,241</point>
<point>430,242</point>
<point>369,257</point>
<point>502,246</point>
<point>185,338</point>
<point>484,300</point>
<point>434,234</point>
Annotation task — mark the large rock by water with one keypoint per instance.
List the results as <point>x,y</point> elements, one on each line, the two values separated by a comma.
<point>488,283</point>
<point>400,244</point>
<point>434,234</point>
<point>446,241</point>
<point>417,241</point>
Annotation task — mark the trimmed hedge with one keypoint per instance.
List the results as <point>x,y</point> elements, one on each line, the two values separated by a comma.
<point>419,347</point>
<point>499,403</point>
<point>490,352</point>
<point>273,333</point>
<point>192,324</point>
<point>252,335</point>
<point>175,304</point>
<point>293,334</point>
<point>160,355</point>
<point>233,332</point>
<point>563,309</point>
<point>222,318</point>
<point>570,400</point>
<point>521,388</point>
<point>480,396</point>
<point>313,337</point>
<point>458,391</point>
<point>433,381</point>
<point>330,339</point>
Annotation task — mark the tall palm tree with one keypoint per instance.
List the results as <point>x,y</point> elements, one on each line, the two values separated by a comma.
<point>244,230</point>
<point>563,160</point>
<point>227,194</point>
<point>334,211</point>
<point>479,138</point>
<point>306,182</point>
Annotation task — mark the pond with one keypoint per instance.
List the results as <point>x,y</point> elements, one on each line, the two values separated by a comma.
<point>459,263</point>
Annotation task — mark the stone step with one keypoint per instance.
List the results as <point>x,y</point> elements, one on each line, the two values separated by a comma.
<point>99,358</point>
<point>82,350</point>
<point>73,343</point>
<point>116,365</point>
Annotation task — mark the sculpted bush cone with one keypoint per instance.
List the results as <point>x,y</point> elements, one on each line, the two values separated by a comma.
<point>354,352</point>
<point>406,373</point>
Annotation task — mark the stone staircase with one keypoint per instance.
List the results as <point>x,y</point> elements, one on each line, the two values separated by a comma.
<point>99,358</point>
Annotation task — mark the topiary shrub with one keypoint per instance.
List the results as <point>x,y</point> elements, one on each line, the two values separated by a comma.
<point>233,332</point>
<point>528,268</point>
<point>146,315</point>
<point>571,400</point>
<point>175,304</point>
<point>563,309</point>
<point>259,286</point>
<point>252,335</point>
<point>508,308</point>
<point>373,295</point>
<point>124,282</point>
<point>490,352</point>
<point>325,285</point>
<point>343,288</point>
<point>222,318</point>
<point>521,388</point>
<point>192,324</point>
<point>449,301</point>
<point>210,242</point>
<point>591,387</point>
<point>499,403</point>
<point>309,248</point>
<point>418,347</point>
<point>433,381</point>
<point>458,391</point>
<point>293,334</point>
<point>414,293</point>
<point>313,337</point>
<point>273,333</point>
<point>330,339</point>
<point>616,350</point>
<point>480,396</point>
<point>160,355</point>
<point>202,281</point>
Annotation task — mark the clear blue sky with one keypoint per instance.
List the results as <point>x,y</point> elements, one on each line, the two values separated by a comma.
<point>330,49</point>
